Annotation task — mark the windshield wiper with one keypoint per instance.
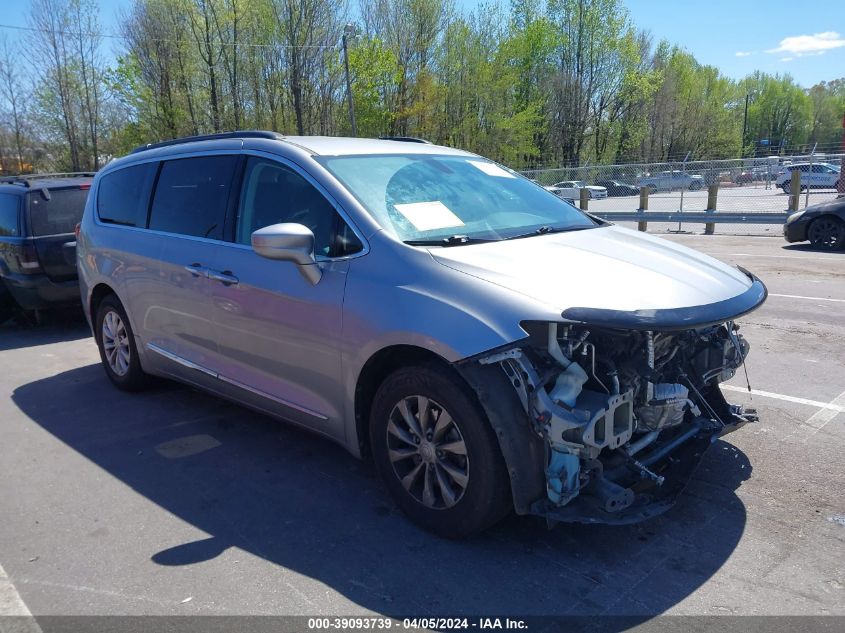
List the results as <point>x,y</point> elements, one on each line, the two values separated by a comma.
<point>452,240</point>
<point>545,230</point>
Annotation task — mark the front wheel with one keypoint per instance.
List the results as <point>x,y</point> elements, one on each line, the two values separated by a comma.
<point>827,233</point>
<point>436,452</point>
<point>117,346</point>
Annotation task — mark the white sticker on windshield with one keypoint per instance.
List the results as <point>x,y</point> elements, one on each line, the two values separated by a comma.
<point>426,216</point>
<point>491,169</point>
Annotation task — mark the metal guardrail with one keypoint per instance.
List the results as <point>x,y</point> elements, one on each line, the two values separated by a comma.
<point>706,217</point>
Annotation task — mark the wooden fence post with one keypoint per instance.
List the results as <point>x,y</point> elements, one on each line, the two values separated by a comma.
<point>795,191</point>
<point>584,201</point>
<point>712,194</point>
<point>642,225</point>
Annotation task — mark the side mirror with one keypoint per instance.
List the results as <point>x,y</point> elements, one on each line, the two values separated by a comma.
<point>291,243</point>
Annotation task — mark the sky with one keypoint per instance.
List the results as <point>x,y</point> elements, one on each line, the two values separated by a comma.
<point>804,39</point>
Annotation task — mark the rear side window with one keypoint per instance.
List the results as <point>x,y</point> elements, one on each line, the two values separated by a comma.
<point>192,194</point>
<point>9,225</point>
<point>123,196</point>
<point>60,214</point>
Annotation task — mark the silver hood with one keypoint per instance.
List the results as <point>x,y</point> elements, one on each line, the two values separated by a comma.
<point>607,268</point>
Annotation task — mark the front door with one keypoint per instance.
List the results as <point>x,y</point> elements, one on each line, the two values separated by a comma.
<point>279,334</point>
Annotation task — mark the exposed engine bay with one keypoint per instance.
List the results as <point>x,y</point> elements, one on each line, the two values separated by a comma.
<point>625,415</point>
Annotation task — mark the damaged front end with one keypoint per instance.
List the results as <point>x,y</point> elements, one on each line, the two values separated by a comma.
<point>624,415</point>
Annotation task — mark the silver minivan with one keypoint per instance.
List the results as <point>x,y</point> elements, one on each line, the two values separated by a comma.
<point>489,346</point>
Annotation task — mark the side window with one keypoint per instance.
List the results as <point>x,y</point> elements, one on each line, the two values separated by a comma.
<point>818,169</point>
<point>57,215</point>
<point>192,194</point>
<point>9,224</point>
<point>123,196</point>
<point>274,194</point>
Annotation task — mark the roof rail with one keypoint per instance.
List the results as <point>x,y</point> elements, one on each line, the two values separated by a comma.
<point>404,139</point>
<point>25,179</point>
<point>210,137</point>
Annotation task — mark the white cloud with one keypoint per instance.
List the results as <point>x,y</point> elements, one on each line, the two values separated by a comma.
<point>817,44</point>
<point>785,59</point>
<point>743,53</point>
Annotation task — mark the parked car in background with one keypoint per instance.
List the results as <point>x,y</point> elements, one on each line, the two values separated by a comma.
<point>674,180</point>
<point>744,178</point>
<point>813,176</point>
<point>616,188</point>
<point>38,215</point>
<point>487,344</point>
<point>571,189</point>
<point>822,224</point>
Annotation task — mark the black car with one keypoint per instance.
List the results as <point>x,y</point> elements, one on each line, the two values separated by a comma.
<point>38,216</point>
<point>616,188</point>
<point>822,224</point>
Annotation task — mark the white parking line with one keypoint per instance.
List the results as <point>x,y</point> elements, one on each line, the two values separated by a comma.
<point>818,420</point>
<point>772,294</point>
<point>12,605</point>
<point>835,406</point>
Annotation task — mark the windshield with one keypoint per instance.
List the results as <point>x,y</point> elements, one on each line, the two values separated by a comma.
<point>421,197</point>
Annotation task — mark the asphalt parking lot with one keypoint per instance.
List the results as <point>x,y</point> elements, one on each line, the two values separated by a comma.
<point>174,502</point>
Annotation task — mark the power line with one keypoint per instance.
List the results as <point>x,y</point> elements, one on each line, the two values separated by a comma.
<point>113,36</point>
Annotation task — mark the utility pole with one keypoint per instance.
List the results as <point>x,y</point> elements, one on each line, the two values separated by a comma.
<point>840,188</point>
<point>348,33</point>
<point>744,128</point>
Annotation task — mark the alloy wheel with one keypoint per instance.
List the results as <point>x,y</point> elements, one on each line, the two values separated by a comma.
<point>428,452</point>
<point>116,343</point>
<point>826,232</point>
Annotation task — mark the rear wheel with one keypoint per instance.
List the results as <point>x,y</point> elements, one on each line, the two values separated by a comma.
<point>436,452</point>
<point>827,232</point>
<point>117,346</point>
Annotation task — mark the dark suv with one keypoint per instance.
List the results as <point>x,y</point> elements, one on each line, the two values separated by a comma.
<point>38,215</point>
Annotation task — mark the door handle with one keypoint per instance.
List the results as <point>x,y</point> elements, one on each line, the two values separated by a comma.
<point>226,277</point>
<point>197,270</point>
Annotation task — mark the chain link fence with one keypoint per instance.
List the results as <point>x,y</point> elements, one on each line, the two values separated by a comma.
<point>746,186</point>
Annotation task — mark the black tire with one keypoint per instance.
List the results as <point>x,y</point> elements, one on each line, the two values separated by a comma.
<point>7,303</point>
<point>695,186</point>
<point>827,232</point>
<point>134,378</point>
<point>787,187</point>
<point>486,497</point>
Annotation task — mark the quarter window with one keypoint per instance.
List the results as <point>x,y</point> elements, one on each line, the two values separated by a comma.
<point>192,194</point>
<point>123,196</point>
<point>274,194</point>
<point>9,205</point>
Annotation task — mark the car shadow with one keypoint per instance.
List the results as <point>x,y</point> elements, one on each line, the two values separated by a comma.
<point>806,247</point>
<point>54,326</point>
<point>301,502</point>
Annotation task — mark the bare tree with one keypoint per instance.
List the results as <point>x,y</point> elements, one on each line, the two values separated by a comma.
<point>51,51</point>
<point>308,29</point>
<point>12,98</point>
<point>210,51</point>
<point>88,66</point>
